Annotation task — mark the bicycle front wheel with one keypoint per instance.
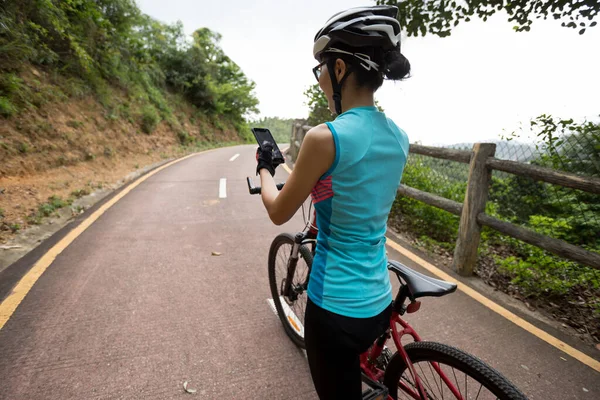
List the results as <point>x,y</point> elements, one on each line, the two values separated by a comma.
<point>290,307</point>
<point>466,377</point>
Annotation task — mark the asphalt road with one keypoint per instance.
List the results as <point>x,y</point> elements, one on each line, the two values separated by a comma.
<point>138,304</point>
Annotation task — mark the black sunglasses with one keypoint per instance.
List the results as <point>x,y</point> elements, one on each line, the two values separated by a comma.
<point>317,70</point>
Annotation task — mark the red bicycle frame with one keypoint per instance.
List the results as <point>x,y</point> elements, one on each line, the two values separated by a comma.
<point>367,359</point>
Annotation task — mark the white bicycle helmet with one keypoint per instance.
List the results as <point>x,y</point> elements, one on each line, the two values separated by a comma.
<point>371,27</point>
<point>374,26</point>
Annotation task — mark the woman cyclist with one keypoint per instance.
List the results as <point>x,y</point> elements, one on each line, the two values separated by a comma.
<point>352,168</point>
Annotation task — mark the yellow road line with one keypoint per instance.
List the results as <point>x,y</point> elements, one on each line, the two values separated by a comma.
<point>545,336</point>
<point>10,304</point>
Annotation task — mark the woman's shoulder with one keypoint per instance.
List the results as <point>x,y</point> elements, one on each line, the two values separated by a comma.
<point>319,134</point>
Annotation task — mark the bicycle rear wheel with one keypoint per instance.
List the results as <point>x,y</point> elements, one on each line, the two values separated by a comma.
<point>291,308</point>
<point>471,377</point>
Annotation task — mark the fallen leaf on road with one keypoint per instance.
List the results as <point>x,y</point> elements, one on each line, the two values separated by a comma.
<point>185,387</point>
<point>10,247</point>
<point>564,359</point>
<point>216,253</point>
<point>525,367</point>
<point>585,390</point>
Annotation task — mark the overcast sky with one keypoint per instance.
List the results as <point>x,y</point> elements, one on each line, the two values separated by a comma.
<point>483,79</point>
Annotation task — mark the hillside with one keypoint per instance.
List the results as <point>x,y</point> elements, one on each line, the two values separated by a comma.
<point>92,90</point>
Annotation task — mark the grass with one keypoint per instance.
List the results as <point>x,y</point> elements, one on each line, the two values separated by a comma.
<point>185,138</point>
<point>48,209</point>
<point>150,119</point>
<point>74,124</point>
<point>79,209</point>
<point>80,193</point>
<point>7,109</point>
<point>1,213</point>
<point>23,147</point>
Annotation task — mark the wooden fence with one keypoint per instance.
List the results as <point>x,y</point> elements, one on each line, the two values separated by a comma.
<point>472,214</point>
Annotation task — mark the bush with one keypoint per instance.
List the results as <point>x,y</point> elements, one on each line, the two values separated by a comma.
<point>185,138</point>
<point>23,147</point>
<point>423,174</point>
<point>98,45</point>
<point>150,119</point>
<point>7,109</point>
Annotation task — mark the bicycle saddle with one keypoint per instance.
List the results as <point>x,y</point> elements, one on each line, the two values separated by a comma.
<point>420,285</point>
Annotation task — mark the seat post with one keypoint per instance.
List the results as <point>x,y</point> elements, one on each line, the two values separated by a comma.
<point>401,297</point>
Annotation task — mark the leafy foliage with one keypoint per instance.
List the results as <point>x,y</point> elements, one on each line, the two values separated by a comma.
<point>279,127</point>
<point>562,213</point>
<point>540,272</point>
<point>565,146</point>
<point>438,17</point>
<point>318,108</point>
<point>420,217</point>
<point>150,119</point>
<point>103,44</point>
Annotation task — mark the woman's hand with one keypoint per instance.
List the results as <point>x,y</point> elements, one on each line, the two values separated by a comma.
<point>264,158</point>
<point>316,156</point>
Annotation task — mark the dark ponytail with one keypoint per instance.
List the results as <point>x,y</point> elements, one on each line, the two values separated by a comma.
<point>393,65</point>
<point>396,66</point>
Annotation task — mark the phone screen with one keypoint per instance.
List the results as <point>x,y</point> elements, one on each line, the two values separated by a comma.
<point>261,135</point>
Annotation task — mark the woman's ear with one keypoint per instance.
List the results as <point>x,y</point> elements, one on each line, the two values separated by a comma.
<point>340,69</point>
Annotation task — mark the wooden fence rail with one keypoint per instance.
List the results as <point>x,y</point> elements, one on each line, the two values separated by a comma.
<point>481,162</point>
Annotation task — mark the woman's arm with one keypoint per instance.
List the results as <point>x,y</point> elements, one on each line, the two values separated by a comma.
<point>316,156</point>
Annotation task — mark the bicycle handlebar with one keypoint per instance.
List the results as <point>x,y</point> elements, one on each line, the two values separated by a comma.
<point>257,189</point>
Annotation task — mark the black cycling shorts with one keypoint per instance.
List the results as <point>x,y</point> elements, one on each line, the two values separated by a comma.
<point>333,345</point>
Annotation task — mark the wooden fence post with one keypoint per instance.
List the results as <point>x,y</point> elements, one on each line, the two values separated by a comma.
<point>296,138</point>
<point>469,231</point>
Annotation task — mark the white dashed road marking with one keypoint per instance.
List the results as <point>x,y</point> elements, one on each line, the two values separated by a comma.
<point>223,188</point>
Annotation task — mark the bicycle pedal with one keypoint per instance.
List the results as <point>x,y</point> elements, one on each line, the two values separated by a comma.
<point>375,390</point>
<point>372,394</point>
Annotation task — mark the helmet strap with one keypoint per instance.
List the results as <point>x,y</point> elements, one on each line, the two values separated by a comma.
<point>337,86</point>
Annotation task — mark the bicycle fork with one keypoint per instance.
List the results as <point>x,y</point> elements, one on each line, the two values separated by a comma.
<point>293,262</point>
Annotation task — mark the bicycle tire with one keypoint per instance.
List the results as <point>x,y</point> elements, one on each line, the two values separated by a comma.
<point>307,257</point>
<point>457,359</point>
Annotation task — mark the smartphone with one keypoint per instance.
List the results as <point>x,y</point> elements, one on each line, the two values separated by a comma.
<point>262,135</point>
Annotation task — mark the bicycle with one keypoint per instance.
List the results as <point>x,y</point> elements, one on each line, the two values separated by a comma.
<point>387,375</point>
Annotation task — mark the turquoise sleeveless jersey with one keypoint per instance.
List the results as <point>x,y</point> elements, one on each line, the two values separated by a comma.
<point>353,199</point>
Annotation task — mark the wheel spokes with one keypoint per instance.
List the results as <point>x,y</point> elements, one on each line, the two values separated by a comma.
<point>297,299</point>
<point>436,388</point>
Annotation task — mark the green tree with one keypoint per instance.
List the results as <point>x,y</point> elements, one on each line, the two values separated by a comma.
<point>108,43</point>
<point>281,128</point>
<point>438,17</point>
<point>317,103</point>
<point>318,109</point>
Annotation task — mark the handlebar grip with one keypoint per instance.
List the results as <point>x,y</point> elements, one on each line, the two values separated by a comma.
<point>257,189</point>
